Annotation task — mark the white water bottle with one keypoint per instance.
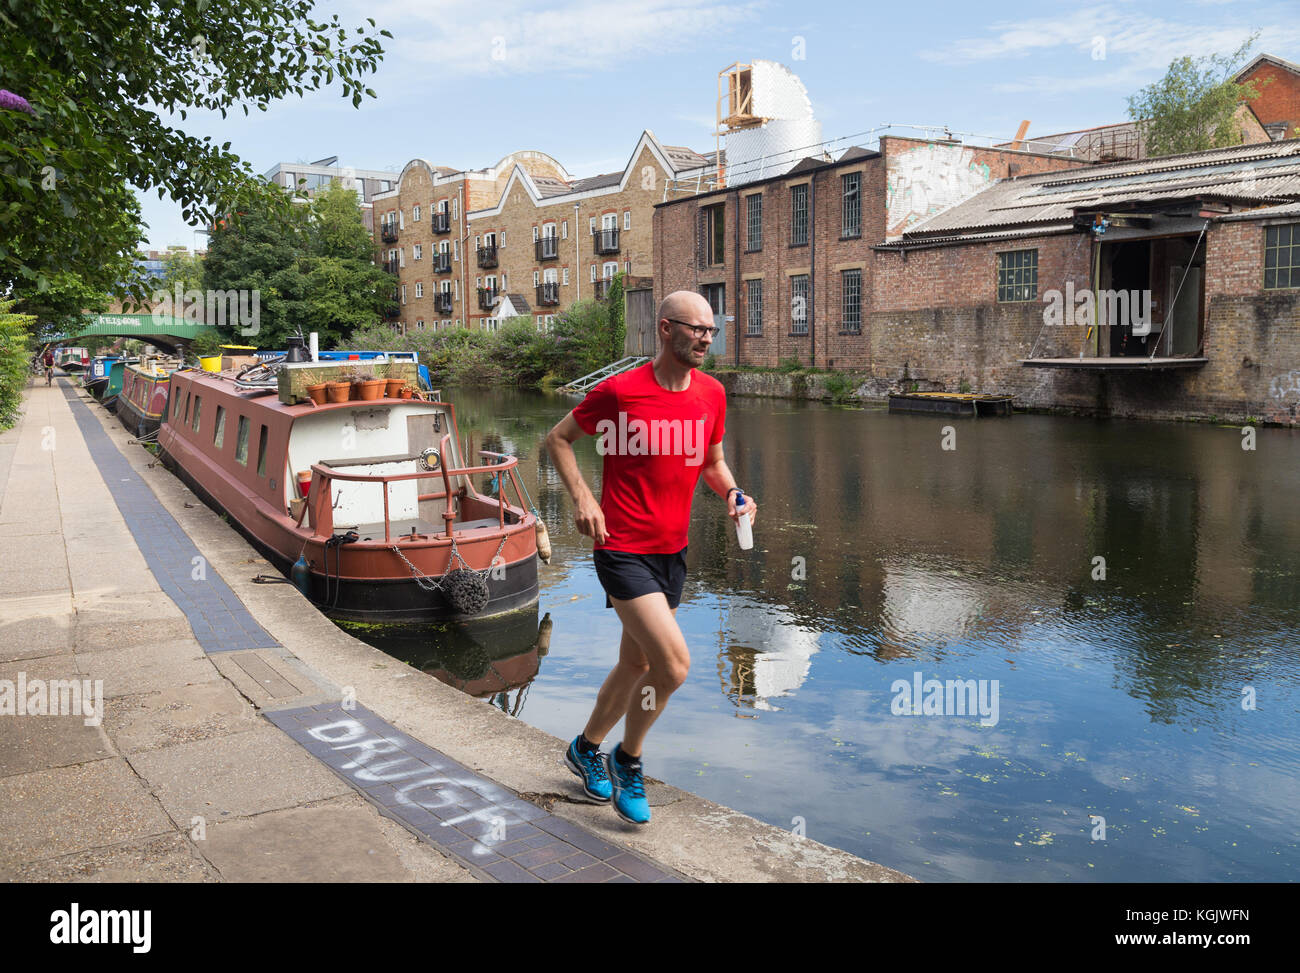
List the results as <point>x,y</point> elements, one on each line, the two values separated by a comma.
<point>744,529</point>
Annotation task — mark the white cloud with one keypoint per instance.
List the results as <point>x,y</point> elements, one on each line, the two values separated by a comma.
<point>458,38</point>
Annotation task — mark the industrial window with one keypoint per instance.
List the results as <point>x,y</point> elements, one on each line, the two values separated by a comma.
<point>219,434</point>
<point>713,235</point>
<point>754,307</point>
<point>851,295</point>
<point>852,218</point>
<point>198,408</point>
<point>754,222</point>
<point>1282,256</point>
<point>261,452</point>
<point>1018,276</point>
<point>799,215</point>
<point>241,442</point>
<point>799,304</point>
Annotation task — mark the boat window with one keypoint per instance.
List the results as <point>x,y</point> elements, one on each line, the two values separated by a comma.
<point>241,442</point>
<point>219,435</point>
<point>176,406</point>
<point>261,452</point>
<point>198,409</point>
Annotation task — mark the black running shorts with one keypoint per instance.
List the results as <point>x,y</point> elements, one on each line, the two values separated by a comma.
<point>625,575</point>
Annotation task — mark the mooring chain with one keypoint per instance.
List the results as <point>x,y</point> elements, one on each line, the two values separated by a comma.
<point>421,578</point>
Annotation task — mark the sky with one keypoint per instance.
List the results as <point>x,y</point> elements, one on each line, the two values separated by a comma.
<point>463,83</point>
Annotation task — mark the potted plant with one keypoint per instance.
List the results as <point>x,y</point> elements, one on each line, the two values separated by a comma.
<point>365,385</point>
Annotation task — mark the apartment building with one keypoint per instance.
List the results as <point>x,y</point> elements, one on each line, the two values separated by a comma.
<point>472,248</point>
<point>310,177</point>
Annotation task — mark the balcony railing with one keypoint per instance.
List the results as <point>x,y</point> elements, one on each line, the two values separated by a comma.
<point>548,294</point>
<point>392,311</point>
<point>441,263</point>
<point>547,248</point>
<point>487,297</point>
<point>388,232</point>
<point>441,221</point>
<point>602,286</point>
<point>442,301</point>
<point>605,241</point>
<point>391,267</point>
<point>487,257</point>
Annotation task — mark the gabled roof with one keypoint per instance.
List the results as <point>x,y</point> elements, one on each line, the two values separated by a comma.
<point>1267,59</point>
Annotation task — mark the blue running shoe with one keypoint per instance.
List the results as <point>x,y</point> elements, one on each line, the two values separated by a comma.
<point>590,768</point>
<point>629,790</point>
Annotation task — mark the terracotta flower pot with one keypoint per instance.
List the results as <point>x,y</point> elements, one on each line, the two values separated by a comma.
<point>406,392</point>
<point>370,389</point>
<point>318,393</point>
<point>393,388</point>
<point>338,391</point>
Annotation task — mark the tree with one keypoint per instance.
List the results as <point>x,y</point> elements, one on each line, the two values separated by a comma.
<point>15,358</point>
<point>183,268</point>
<point>1191,108</point>
<point>95,89</point>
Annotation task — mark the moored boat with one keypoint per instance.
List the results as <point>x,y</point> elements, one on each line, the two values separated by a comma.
<point>391,529</point>
<point>95,379</point>
<point>116,372</point>
<point>143,399</point>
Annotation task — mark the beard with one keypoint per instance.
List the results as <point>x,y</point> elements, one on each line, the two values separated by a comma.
<point>683,348</point>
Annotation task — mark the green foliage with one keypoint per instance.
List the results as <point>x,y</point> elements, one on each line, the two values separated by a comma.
<point>106,81</point>
<point>964,387</point>
<point>184,268</point>
<point>1191,108</point>
<point>840,386</point>
<point>15,362</point>
<point>311,268</point>
<point>57,310</point>
<point>791,364</point>
<point>207,343</point>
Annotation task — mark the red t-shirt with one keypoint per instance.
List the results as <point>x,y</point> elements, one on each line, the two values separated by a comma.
<point>654,443</point>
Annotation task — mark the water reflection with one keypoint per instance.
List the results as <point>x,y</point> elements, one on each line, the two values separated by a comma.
<point>879,555</point>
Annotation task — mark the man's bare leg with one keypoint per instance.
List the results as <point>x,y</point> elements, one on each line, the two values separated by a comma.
<point>620,691</point>
<point>653,627</point>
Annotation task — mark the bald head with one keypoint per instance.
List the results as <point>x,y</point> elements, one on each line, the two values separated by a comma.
<point>685,306</point>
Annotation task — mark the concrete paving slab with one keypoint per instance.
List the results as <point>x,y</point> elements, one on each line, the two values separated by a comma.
<point>235,776</point>
<point>147,668</point>
<point>170,858</point>
<point>29,743</point>
<point>327,843</point>
<point>184,714</point>
<point>27,636</point>
<point>50,813</point>
<point>49,576</point>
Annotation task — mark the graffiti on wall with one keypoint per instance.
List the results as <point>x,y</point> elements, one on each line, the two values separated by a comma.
<point>924,180</point>
<point>1285,384</point>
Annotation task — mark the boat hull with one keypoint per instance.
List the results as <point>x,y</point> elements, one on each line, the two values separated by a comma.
<point>142,403</point>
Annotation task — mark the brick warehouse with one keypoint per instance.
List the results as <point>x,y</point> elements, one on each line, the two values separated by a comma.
<point>524,237</point>
<point>790,257</point>
<point>1210,239</point>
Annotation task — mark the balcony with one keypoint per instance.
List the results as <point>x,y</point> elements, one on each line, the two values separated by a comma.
<point>388,232</point>
<point>487,297</point>
<point>602,286</point>
<point>442,301</point>
<point>441,221</point>
<point>441,263</point>
<point>487,257</point>
<point>391,267</point>
<point>605,241</point>
<point>392,312</point>
<point>548,294</point>
<point>547,248</point>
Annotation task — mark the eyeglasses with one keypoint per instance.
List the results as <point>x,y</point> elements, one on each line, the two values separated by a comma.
<point>699,330</point>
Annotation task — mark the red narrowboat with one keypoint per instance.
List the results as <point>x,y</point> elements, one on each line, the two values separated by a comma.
<point>391,527</point>
<point>143,399</point>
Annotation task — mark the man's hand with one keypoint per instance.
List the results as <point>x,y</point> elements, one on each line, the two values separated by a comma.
<point>589,519</point>
<point>751,507</point>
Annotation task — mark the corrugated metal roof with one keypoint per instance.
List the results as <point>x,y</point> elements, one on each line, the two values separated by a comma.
<point>1251,174</point>
<point>1265,212</point>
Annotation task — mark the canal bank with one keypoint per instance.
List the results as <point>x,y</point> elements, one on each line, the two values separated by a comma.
<point>191,774</point>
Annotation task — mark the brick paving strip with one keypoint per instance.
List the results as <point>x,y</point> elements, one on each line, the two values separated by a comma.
<point>488,828</point>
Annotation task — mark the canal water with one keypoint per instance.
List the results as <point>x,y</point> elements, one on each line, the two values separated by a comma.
<point>1116,605</point>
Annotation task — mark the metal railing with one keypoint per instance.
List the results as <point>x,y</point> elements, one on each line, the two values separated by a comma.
<point>591,379</point>
<point>605,240</point>
<point>441,221</point>
<point>441,262</point>
<point>321,504</point>
<point>547,248</point>
<point>388,232</point>
<point>487,297</point>
<point>442,301</point>
<point>487,257</point>
<point>548,293</point>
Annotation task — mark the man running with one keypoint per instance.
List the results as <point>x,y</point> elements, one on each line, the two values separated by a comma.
<point>661,427</point>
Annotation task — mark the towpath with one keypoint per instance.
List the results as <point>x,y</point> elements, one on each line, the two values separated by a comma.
<point>243,737</point>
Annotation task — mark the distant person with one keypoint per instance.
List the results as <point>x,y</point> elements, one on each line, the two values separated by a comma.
<point>49,366</point>
<point>661,427</point>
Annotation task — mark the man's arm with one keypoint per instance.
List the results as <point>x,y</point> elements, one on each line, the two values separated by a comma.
<point>717,474</point>
<point>587,515</point>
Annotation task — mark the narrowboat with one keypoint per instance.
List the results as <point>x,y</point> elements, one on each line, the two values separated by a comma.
<point>143,399</point>
<point>114,387</point>
<point>95,378</point>
<point>391,527</point>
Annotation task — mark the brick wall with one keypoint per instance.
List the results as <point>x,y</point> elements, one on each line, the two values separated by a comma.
<point>1279,99</point>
